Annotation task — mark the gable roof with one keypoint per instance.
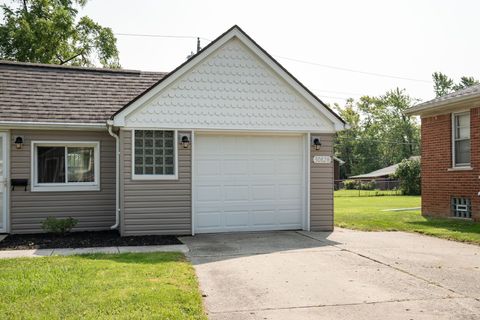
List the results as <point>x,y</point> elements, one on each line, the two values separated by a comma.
<point>463,95</point>
<point>230,33</point>
<point>42,93</point>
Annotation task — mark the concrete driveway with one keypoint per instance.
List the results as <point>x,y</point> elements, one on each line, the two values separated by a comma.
<point>341,275</point>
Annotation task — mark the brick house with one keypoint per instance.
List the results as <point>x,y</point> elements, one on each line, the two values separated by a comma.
<point>450,154</point>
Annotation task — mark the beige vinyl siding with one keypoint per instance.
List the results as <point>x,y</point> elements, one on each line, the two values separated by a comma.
<point>321,187</point>
<point>155,206</point>
<point>94,210</point>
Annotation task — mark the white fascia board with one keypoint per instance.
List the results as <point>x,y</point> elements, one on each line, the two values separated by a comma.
<point>51,125</point>
<point>338,125</point>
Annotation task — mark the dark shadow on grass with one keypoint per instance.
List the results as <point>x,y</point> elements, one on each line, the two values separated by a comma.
<point>454,225</point>
<point>136,257</point>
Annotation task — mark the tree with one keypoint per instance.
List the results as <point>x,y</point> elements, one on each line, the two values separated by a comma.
<point>408,172</point>
<point>380,134</point>
<point>48,31</point>
<point>442,84</point>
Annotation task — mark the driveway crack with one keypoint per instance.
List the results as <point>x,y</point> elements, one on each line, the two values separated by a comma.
<point>337,305</point>
<point>393,267</point>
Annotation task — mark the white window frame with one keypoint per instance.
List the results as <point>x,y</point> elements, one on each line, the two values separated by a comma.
<point>66,186</point>
<point>173,176</point>
<point>454,164</point>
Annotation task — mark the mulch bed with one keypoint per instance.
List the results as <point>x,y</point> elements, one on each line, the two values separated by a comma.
<point>81,240</point>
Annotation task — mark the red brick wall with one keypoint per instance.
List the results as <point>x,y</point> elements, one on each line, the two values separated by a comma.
<point>439,184</point>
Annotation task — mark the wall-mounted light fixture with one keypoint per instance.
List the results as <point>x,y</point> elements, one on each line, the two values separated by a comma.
<point>18,142</point>
<point>316,143</point>
<point>185,141</point>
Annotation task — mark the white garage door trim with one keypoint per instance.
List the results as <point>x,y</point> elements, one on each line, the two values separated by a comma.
<point>303,223</point>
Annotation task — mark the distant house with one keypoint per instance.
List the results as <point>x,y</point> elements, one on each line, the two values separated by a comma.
<point>382,176</point>
<point>450,154</point>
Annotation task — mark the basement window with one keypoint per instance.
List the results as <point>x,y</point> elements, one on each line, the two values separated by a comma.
<point>462,208</point>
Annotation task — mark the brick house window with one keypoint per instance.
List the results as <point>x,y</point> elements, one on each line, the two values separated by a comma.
<point>462,208</point>
<point>461,139</point>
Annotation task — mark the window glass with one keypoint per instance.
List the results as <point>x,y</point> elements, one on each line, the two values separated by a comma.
<point>462,139</point>
<point>81,164</point>
<point>51,164</point>
<point>154,152</point>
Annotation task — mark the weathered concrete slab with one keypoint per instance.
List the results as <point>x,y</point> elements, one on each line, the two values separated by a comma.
<point>340,275</point>
<point>75,251</point>
<point>6,254</point>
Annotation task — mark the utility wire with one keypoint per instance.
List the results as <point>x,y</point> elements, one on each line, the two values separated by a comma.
<point>159,36</point>
<point>376,74</point>
<point>353,70</point>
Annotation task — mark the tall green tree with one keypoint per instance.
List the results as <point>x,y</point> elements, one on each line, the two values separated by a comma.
<point>48,31</point>
<point>442,84</point>
<point>379,135</point>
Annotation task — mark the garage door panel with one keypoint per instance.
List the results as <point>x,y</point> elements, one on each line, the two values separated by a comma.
<point>235,193</point>
<point>264,218</point>
<point>237,219</point>
<point>263,192</point>
<point>248,183</point>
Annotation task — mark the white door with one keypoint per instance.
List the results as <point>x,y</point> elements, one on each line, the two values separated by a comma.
<point>3,181</point>
<point>248,182</point>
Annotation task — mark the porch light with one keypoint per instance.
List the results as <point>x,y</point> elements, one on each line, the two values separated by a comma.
<point>185,142</point>
<point>317,143</point>
<point>18,142</point>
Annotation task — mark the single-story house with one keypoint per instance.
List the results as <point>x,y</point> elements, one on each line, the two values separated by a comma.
<point>228,141</point>
<point>450,154</point>
<point>384,176</point>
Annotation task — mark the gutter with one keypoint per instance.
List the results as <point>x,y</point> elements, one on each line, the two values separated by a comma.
<point>117,174</point>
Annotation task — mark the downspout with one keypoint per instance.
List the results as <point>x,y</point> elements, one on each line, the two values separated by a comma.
<point>117,174</point>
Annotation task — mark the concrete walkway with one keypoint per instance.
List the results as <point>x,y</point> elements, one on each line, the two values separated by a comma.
<point>5,254</point>
<point>341,275</point>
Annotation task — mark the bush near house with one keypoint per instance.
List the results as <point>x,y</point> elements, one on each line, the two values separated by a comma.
<point>350,184</point>
<point>59,226</point>
<point>408,172</point>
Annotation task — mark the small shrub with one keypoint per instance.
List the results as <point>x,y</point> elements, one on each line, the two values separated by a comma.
<point>408,172</point>
<point>59,226</point>
<point>350,184</point>
<point>368,185</point>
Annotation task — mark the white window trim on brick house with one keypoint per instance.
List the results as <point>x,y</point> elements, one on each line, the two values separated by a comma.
<point>459,166</point>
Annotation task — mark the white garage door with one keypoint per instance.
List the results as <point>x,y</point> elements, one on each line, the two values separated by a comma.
<point>248,183</point>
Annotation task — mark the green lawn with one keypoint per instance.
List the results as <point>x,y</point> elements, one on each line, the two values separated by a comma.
<point>365,213</point>
<point>100,286</point>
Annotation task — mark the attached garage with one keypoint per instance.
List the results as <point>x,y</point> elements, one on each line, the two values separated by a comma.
<point>228,142</point>
<point>249,182</point>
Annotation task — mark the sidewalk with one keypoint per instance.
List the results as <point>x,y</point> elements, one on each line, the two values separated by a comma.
<point>34,253</point>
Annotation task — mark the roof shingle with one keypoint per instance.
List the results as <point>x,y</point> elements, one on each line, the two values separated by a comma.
<point>50,93</point>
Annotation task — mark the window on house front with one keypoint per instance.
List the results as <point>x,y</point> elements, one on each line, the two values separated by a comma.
<point>461,143</point>
<point>462,208</point>
<point>65,166</point>
<point>154,154</point>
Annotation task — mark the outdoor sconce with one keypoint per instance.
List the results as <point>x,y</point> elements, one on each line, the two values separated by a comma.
<point>18,142</point>
<point>316,143</point>
<point>185,141</point>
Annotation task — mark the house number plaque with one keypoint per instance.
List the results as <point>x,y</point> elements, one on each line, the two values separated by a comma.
<point>322,159</point>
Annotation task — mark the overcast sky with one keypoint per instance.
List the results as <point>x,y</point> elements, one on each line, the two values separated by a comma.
<point>407,39</point>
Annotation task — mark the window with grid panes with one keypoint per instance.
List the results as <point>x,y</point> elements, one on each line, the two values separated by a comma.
<point>154,152</point>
